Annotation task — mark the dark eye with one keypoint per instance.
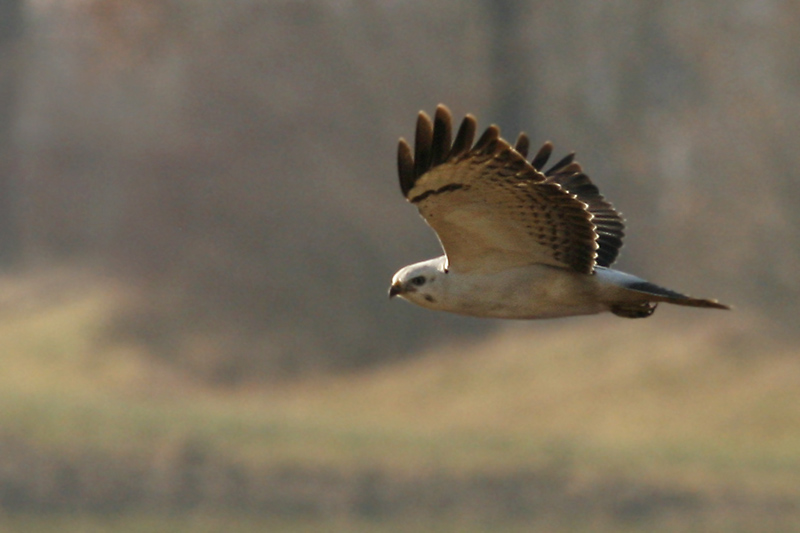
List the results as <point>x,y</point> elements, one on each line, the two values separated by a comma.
<point>419,281</point>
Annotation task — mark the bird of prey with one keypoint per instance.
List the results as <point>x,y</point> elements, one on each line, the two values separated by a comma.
<point>519,241</point>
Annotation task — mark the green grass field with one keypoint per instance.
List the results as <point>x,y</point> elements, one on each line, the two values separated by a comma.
<point>696,410</point>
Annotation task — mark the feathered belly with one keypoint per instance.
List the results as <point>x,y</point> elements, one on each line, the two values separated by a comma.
<point>535,291</point>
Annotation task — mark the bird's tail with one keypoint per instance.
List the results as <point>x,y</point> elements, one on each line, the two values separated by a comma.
<point>660,294</point>
<point>642,296</point>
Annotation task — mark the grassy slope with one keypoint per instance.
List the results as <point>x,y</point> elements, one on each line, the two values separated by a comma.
<point>699,404</point>
<point>708,406</point>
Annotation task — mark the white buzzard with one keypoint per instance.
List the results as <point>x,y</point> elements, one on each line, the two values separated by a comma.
<point>520,242</point>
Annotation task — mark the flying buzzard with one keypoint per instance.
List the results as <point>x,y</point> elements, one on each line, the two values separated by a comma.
<point>520,242</point>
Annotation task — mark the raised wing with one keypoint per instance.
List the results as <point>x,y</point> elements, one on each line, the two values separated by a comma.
<point>493,210</point>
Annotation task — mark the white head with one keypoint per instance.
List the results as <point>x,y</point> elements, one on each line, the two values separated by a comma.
<point>421,283</point>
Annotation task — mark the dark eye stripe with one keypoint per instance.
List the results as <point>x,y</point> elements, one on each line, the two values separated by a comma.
<point>418,281</point>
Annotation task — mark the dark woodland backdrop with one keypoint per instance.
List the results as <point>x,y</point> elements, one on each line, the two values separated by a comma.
<point>237,161</point>
<point>200,217</point>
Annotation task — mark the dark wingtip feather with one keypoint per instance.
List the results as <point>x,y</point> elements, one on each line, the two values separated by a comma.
<point>541,157</point>
<point>405,167</point>
<point>465,136</point>
<point>566,160</point>
<point>423,143</point>
<point>442,135</point>
<point>522,145</point>
<point>488,139</point>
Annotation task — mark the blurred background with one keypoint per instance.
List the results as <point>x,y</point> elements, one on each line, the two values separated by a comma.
<point>200,217</point>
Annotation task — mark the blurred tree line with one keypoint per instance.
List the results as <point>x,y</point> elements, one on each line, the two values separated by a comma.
<point>236,162</point>
<point>11,24</point>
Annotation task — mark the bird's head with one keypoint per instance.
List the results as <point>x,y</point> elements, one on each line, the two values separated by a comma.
<point>421,283</point>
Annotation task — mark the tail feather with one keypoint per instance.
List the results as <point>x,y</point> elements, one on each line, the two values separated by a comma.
<point>639,297</point>
<point>660,294</point>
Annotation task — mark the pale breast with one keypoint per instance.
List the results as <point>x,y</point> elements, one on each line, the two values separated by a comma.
<point>534,291</point>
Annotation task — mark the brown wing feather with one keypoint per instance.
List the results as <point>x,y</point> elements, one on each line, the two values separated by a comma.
<point>465,135</point>
<point>423,144</point>
<point>442,136</point>
<point>522,145</point>
<point>405,167</point>
<point>491,208</point>
<point>609,223</point>
<point>540,159</point>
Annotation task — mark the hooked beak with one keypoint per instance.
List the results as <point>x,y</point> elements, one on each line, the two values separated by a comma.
<point>395,289</point>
